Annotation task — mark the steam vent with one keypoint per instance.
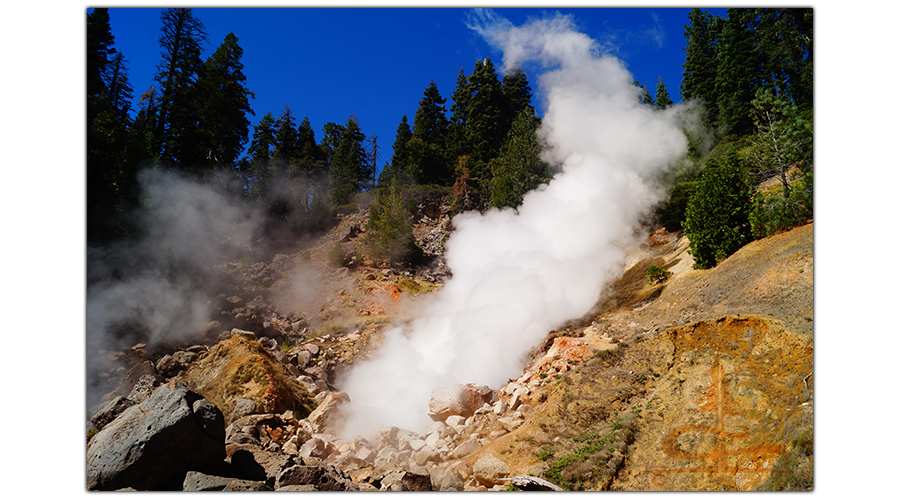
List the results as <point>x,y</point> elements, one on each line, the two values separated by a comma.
<point>555,282</point>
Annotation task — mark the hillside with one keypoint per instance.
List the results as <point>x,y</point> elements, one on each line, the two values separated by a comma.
<point>700,382</point>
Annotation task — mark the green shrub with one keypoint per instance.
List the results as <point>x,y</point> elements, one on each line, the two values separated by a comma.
<point>717,216</point>
<point>794,470</point>
<point>657,274</point>
<point>390,224</point>
<point>337,256</point>
<point>773,212</point>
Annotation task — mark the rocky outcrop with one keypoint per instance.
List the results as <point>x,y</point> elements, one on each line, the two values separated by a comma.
<point>459,399</point>
<point>153,444</point>
<point>240,368</point>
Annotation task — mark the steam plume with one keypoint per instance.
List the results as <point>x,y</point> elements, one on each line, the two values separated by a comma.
<point>519,274</point>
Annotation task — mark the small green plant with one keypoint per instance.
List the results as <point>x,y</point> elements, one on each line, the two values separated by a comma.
<point>511,487</point>
<point>545,455</point>
<point>337,256</point>
<point>557,473</point>
<point>92,431</point>
<point>657,274</point>
<point>616,425</point>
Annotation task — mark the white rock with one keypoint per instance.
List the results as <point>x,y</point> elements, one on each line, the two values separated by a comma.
<point>467,447</point>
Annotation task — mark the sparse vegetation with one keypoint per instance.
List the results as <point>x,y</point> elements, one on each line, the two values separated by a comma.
<point>656,274</point>
<point>794,470</point>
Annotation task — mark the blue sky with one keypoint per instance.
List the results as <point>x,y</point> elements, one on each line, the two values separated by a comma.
<point>375,63</point>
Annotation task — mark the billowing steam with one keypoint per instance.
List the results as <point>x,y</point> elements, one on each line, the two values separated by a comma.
<point>157,290</point>
<point>519,274</point>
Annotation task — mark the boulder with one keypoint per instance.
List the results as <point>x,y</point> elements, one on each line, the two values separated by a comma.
<point>316,447</point>
<point>458,399</point>
<point>466,447</point>
<point>326,417</point>
<point>448,476</point>
<point>323,477</point>
<point>143,389</point>
<point>489,469</point>
<point>405,481</point>
<point>253,462</point>
<point>111,411</point>
<point>197,481</point>
<point>153,444</point>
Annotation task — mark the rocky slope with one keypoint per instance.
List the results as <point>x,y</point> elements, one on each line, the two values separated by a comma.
<point>700,382</point>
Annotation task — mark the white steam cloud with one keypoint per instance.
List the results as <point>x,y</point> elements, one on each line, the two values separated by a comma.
<point>157,290</point>
<point>519,274</point>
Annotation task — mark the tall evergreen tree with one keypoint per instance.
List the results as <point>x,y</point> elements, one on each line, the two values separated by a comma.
<point>349,170</point>
<point>146,122</point>
<point>459,121</point>
<point>180,38</point>
<point>256,172</point>
<point>100,50</point>
<point>519,167</point>
<point>736,68</point>
<point>308,156</point>
<point>428,144</point>
<point>516,95</point>
<point>111,156</point>
<point>399,166</point>
<point>119,90</point>
<point>663,100</point>
<point>287,139</point>
<point>484,131</point>
<point>225,102</point>
<point>783,43</point>
<point>699,76</point>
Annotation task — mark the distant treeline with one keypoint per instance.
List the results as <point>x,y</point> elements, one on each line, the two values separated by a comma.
<point>484,149</point>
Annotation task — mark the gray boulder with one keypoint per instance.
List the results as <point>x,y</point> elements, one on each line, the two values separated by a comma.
<point>197,481</point>
<point>154,444</point>
<point>323,477</point>
<point>405,481</point>
<point>111,411</point>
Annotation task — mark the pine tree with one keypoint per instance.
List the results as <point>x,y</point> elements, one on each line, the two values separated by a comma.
<point>225,102</point>
<point>484,131</point>
<point>428,144</point>
<point>399,167</point>
<point>287,139</point>
<point>349,170</point>
<point>459,121</point>
<point>645,97</point>
<point>699,76</point>
<point>781,148</point>
<point>663,100</point>
<point>119,90</point>
<point>256,172</point>
<point>516,95</point>
<point>112,154</point>
<point>180,37</point>
<point>308,157</point>
<point>519,167</point>
<point>100,50</point>
<point>736,68</point>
